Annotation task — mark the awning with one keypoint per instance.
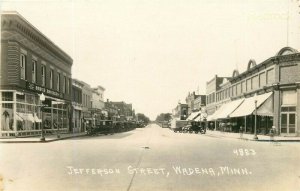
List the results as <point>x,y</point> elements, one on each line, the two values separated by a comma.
<point>193,115</point>
<point>199,118</point>
<point>266,109</point>
<point>226,109</point>
<point>28,117</point>
<point>19,117</point>
<point>36,119</point>
<point>248,106</point>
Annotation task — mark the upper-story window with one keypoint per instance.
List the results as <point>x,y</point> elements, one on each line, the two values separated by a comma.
<point>68,86</point>
<point>23,66</point>
<point>58,82</point>
<point>64,84</point>
<point>34,71</point>
<point>43,75</point>
<point>270,76</point>
<point>51,78</point>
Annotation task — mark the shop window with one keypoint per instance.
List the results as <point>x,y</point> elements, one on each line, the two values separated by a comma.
<point>7,96</point>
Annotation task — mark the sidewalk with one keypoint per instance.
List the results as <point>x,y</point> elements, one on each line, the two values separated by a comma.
<point>36,139</point>
<point>249,137</point>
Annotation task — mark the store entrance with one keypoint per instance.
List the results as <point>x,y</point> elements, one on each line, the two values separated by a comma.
<point>288,121</point>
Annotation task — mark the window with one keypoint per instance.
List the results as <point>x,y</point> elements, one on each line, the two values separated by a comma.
<point>255,82</point>
<point>58,82</point>
<point>238,87</point>
<point>23,66</point>
<point>262,79</point>
<point>249,85</point>
<point>68,89</point>
<point>51,79</point>
<point>64,84</point>
<point>244,87</point>
<point>289,98</point>
<point>34,71</point>
<point>43,75</point>
<point>270,76</point>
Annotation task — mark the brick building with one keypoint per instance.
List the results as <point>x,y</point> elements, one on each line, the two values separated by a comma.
<point>31,64</point>
<point>77,116</point>
<point>212,87</point>
<point>125,111</point>
<point>180,111</point>
<point>268,91</point>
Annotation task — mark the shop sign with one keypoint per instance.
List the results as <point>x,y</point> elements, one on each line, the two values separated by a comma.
<point>34,87</point>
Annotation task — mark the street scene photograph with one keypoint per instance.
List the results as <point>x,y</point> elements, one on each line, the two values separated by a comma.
<point>153,95</point>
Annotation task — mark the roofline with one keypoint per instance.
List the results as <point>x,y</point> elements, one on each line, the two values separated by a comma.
<point>15,13</point>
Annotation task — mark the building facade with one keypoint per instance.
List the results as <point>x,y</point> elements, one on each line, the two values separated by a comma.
<point>87,93</point>
<point>212,87</point>
<point>180,111</point>
<point>32,65</point>
<point>125,111</point>
<point>77,116</point>
<point>268,92</point>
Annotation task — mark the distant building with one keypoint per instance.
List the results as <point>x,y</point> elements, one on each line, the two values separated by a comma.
<point>31,64</point>
<point>195,102</point>
<point>112,111</point>
<point>212,87</point>
<point>98,97</point>
<point>199,102</point>
<point>77,87</point>
<point>87,93</point>
<point>180,111</point>
<point>125,111</point>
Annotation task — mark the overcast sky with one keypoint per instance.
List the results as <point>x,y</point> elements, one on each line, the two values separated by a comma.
<point>151,53</point>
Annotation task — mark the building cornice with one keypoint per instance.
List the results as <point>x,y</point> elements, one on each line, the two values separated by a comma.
<point>15,22</point>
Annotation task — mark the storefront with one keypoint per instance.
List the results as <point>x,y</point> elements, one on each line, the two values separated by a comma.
<point>22,114</point>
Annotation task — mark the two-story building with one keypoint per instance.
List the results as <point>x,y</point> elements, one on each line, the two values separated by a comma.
<point>77,101</point>
<point>31,65</point>
<point>180,111</point>
<point>263,96</point>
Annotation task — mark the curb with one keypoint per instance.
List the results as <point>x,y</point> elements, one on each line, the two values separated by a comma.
<point>46,141</point>
<point>247,139</point>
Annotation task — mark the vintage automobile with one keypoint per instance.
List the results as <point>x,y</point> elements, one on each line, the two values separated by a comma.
<point>101,127</point>
<point>177,125</point>
<point>194,127</point>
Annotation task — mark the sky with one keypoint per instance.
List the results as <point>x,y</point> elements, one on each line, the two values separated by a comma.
<point>152,53</point>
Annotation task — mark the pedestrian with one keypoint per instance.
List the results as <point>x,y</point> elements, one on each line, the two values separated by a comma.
<point>241,132</point>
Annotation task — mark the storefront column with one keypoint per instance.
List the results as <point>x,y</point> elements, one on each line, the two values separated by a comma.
<point>298,112</point>
<point>245,124</point>
<point>276,116</point>
<point>52,126</point>
<point>15,112</point>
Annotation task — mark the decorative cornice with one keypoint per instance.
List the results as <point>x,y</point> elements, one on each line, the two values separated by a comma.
<point>15,22</point>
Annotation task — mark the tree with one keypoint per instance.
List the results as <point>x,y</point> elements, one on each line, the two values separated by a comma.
<point>164,117</point>
<point>142,117</point>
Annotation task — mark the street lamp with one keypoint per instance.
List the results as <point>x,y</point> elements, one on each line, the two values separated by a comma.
<point>42,99</point>
<point>255,119</point>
